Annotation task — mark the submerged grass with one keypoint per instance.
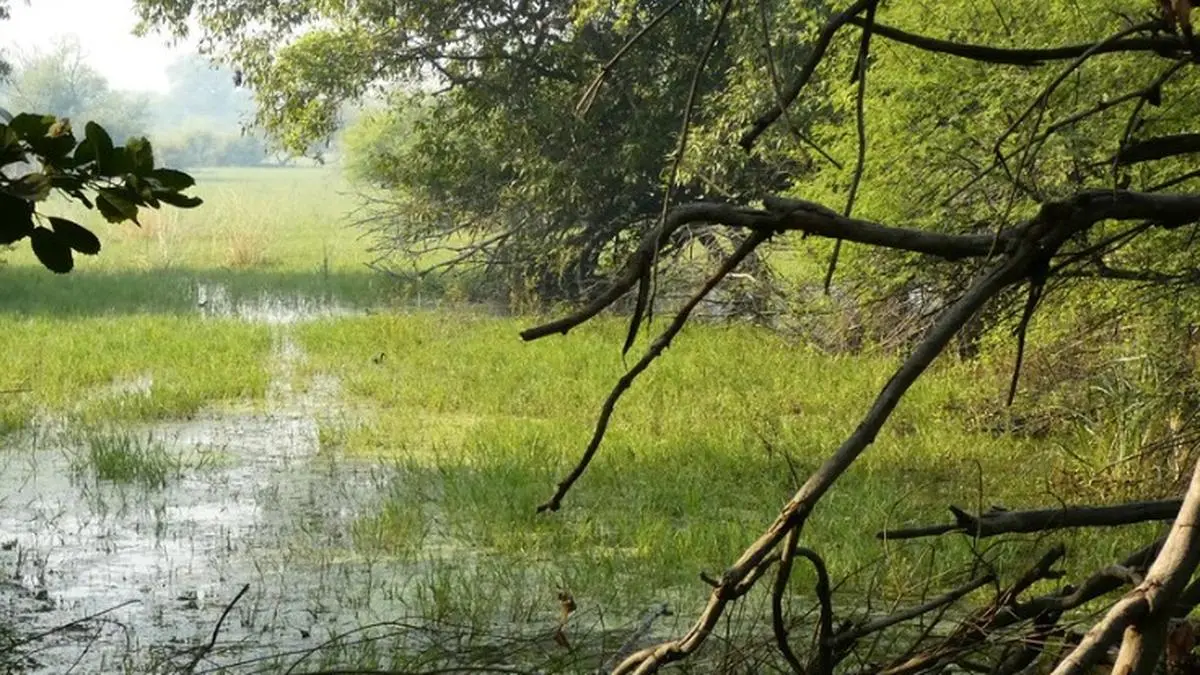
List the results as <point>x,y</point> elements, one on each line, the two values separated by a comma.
<point>125,457</point>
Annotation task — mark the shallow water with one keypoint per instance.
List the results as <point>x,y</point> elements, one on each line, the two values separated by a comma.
<point>256,503</point>
<point>270,513</point>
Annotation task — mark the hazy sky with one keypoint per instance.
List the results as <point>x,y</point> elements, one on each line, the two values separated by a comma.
<point>104,28</point>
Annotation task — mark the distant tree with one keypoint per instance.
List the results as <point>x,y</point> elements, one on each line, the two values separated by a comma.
<point>200,90</point>
<point>60,81</point>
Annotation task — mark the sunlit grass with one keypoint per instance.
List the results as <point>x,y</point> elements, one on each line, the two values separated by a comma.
<point>700,453</point>
<point>138,366</point>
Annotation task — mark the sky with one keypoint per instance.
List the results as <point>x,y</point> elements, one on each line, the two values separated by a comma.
<point>105,30</point>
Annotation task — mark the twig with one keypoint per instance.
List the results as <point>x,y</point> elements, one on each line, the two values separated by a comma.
<point>1043,98</point>
<point>645,301</point>
<point>818,48</point>
<point>656,349</point>
<point>846,638</point>
<point>203,650</point>
<point>764,19</point>
<point>68,625</point>
<point>822,664</point>
<point>589,94</point>
<point>860,126</point>
<point>783,574</point>
<point>643,629</point>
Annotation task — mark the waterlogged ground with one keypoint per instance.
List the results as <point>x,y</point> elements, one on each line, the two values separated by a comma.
<point>253,500</point>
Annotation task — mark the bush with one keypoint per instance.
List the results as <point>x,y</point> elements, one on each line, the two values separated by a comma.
<point>205,147</point>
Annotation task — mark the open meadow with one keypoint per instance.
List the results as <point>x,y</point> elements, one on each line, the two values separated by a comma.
<point>228,396</point>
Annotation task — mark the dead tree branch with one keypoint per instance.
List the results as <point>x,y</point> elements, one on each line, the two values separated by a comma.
<point>1139,620</point>
<point>992,523</point>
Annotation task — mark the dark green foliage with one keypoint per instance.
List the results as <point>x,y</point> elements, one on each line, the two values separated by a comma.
<point>40,154</point>
<point>77,237</point>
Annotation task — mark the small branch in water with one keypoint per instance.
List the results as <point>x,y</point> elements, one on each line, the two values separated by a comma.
<point>203,650</point>
<point>69,625</point>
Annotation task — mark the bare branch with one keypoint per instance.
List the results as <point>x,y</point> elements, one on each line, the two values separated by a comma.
<point>1158,147</point>
<point>656,349</point>
<point>1159,44</point>
<point>993,523</point>
<point>1144,611</point>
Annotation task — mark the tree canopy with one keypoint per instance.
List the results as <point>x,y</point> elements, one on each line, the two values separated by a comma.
<point>477,150</point>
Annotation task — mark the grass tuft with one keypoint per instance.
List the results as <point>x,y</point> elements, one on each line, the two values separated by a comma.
<point>124,457</point>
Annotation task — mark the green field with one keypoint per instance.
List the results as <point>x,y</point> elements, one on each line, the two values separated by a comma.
<point>474,427</point>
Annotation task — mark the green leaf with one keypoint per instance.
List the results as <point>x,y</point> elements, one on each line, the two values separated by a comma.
<point>101,144</point>
<point>178,200</point>
<point>135,185</point>
<point>16,218</point>
<point>114,206</point>
<point>53,149</point>
<point>51,250</point>
<point>141,156</point>
<point>172,179</point>
<point>30,126</point>
<point>75,235</point>
<point>35,186</point>
<point>10,147</point>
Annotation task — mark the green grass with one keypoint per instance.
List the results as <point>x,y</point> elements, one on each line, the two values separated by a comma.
<point>125,458</point>
<point>138,366</point>
<point>697,460</point>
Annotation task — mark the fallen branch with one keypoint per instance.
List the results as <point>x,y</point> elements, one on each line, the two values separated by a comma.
<point>844,639</point>
<point>979,628</point>
<point>1139,620</point>
<point>992,523</point>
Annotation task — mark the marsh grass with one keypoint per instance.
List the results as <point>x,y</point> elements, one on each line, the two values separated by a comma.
<point>124,457</point>
<point>700,454</point>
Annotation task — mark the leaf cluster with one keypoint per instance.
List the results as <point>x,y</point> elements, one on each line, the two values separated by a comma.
<point>40,155</point>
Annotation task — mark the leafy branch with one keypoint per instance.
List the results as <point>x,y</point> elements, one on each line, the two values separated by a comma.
<point>40,155</point>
